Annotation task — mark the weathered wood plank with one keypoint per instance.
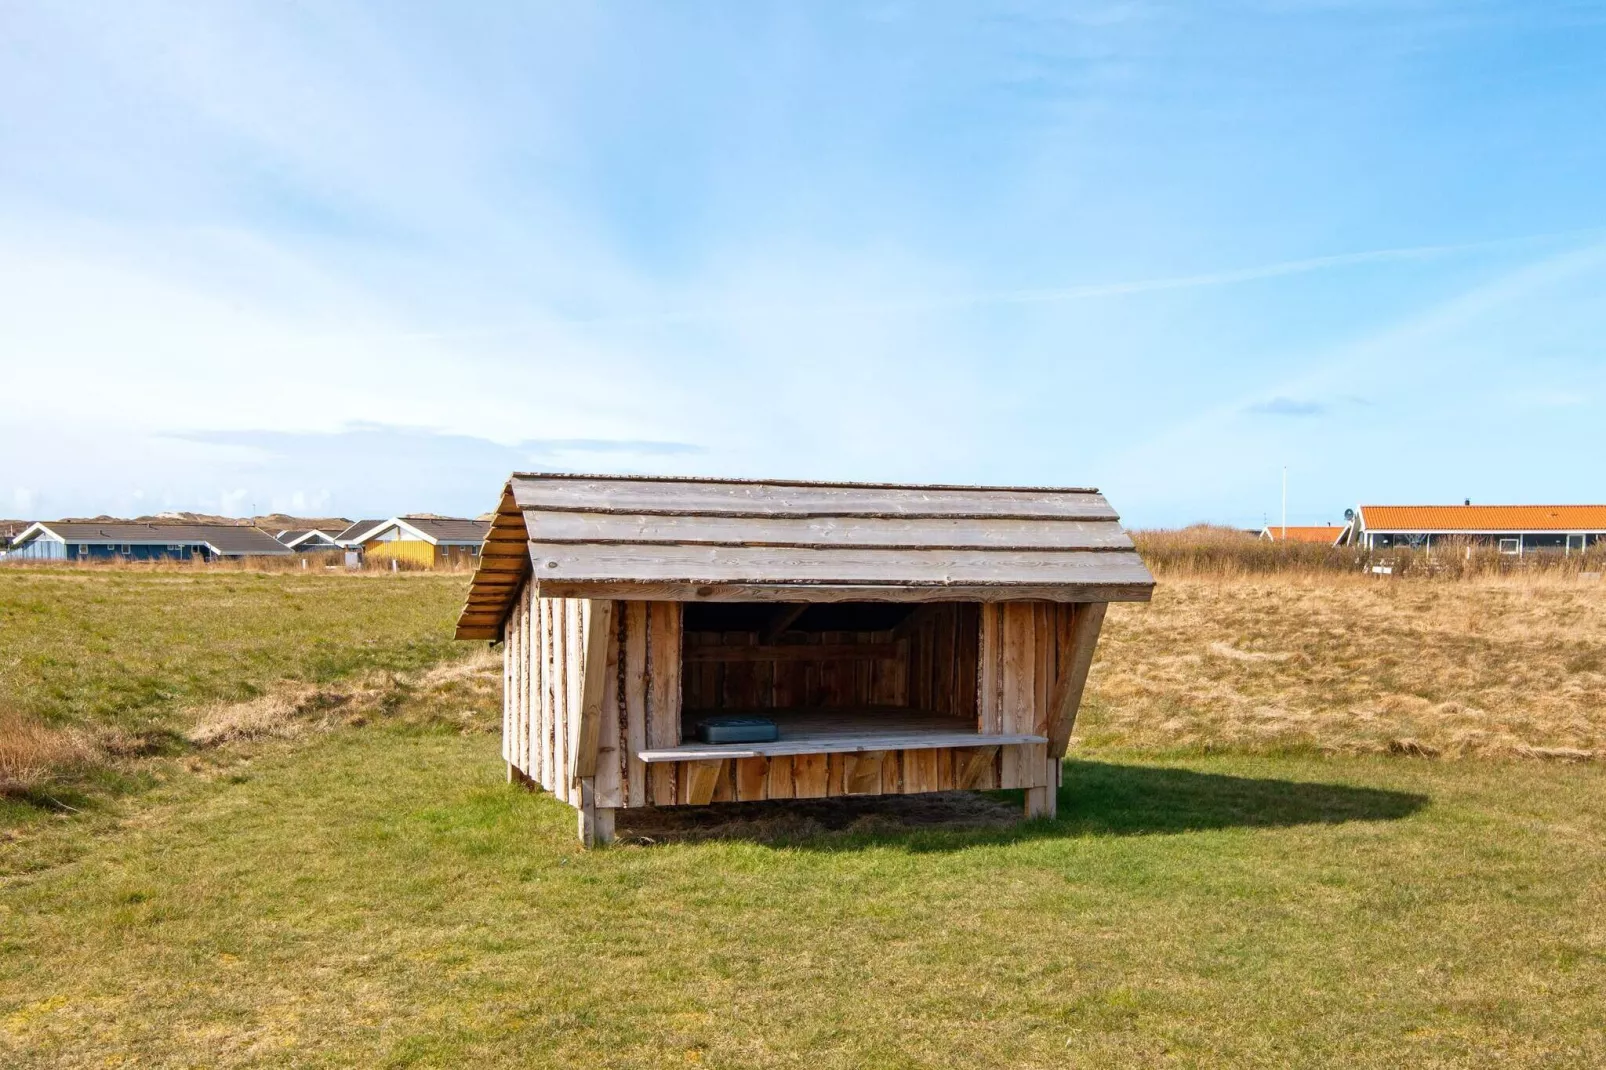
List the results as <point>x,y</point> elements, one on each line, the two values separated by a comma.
<point>519,636</point>
<point>509,660</point>
<point>752,779</point>
<point>663,692</point>
<point>611,742</point>
<point>541,703</point>
<point>594,639</point>
<point>1076,658</point>
<point>919,771</point>
<point>596,822</point>
<point>971,766</point>
<point>822,745</point>
<point>730,498</point>
<point>700,591</point>
<point>780,780</point>
<point>898,533</point>
<point>892,772</point>
<point>1019,684</point>
<point>561,666</point>
<point>851,565</point>
<point>989,658</point>
<point>699,781</point>
<point>863,773</point>
<point>810,775</point>
<point>636,685</point>
<point>574,656</point>
<point>530,677</point>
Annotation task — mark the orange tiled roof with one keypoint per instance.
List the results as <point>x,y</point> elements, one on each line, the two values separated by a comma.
<point>1484,518</point>
<point>1326,533</point>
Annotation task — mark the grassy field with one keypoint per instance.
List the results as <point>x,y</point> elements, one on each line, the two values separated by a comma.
<point>356,884</point>
<point>139,648</point>
<point>1352,664</point>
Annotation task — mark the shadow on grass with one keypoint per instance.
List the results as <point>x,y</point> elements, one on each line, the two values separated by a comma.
<point>1098,799</point>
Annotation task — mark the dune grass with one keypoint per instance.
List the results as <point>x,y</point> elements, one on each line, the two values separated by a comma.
<point>1336,663</point>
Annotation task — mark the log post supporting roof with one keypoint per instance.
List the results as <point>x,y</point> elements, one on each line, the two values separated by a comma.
<point>691,540</point>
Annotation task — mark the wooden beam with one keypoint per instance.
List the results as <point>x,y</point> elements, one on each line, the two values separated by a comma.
<point>697,591</point>
<point>783,618</point>
<point>1076,659</point>
<point>599,632</point>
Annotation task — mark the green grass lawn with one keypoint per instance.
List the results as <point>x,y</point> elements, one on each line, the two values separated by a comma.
<point>378,895</point>
<point>383,898</point>
<point>134,648</point>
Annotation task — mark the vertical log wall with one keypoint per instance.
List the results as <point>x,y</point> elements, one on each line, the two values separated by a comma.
<point>544,658</point>
<point>1027,677</point>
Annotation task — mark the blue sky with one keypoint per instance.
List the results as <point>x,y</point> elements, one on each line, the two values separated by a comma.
<point>364,259</point>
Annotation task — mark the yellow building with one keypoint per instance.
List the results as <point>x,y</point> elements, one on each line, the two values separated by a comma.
<point>424,542</point>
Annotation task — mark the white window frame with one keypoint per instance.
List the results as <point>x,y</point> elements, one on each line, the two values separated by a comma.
<point>1515,544</point>
<point>1583,542</point>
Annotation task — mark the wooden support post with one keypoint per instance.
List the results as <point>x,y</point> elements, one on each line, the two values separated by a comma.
<point>1076,660</point>
<point>1041,802</point>
<point>596,822</point>
<point>599,634</point>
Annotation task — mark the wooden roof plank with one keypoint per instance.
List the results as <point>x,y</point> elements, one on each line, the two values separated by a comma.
<point>776,592</point>
<point>688,497</point>
<point>799,531</point>
<point>834,565</point>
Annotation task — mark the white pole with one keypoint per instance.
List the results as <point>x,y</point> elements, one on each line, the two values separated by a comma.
<point>1285,501</point>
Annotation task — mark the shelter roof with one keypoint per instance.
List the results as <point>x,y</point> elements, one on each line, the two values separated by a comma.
<point>1483,519</point>
<point>691,540</point>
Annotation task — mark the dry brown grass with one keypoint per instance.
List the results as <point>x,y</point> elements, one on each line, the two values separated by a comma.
<point>456,694</point>
<point>1334,663</point>
<point>1206,551</point>
<point>32,753</point>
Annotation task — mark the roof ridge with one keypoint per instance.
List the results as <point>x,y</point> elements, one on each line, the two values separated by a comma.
<point>744,481</point>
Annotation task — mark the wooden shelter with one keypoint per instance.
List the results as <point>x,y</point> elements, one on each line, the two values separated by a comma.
<point>903,638</point>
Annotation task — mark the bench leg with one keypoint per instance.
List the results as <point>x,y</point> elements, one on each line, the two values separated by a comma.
<point>1042,802</point>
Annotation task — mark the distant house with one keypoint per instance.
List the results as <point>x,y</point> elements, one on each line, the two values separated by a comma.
<point>1513,529</point>
<point>351,537</point>
<point>1327,534</point>
<point>308,540</point>
<point>109,540</point>
<point>426,542</point>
